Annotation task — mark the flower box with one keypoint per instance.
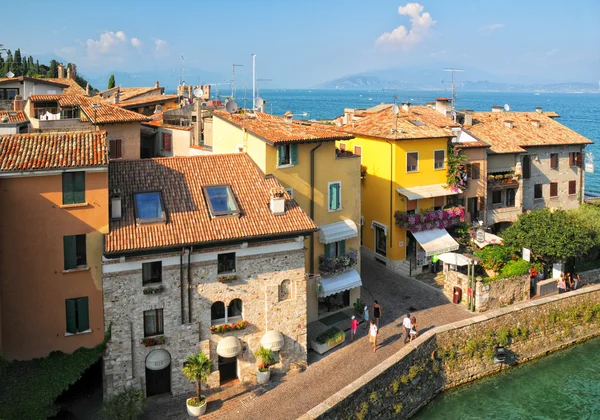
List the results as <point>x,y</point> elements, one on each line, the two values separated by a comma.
<point>327,340</point>
<point>432,219</point>
<point>230,277</point>
<point>337,265</point>
<point>153,341</point>
<point>153,290</point>
<point>218,329</point>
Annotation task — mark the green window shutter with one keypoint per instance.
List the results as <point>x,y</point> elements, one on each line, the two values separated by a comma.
<point>294,152</point>
<point>79,187</point>
<point>71,316</point>
<point>279,155</point>
<point>67,188</point>
<point>327,250</point>
<point>70,250</point>
<point>338,199</point>
<point>342,248</point>
<point>83,315</point>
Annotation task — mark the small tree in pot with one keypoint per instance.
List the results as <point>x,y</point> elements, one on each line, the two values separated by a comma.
<point>264,359</point>
<point>196,369</point>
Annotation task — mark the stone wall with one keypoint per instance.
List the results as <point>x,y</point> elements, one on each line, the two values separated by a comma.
<point>447,356</point>
<point>591,276</point>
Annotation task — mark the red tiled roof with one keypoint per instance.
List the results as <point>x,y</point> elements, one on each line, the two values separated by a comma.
<point>156,99</point>
<point>73,87</point>
<point>127,93</point>
<point>14,116</point>
<point>275,130</point>
<point>180,179</point>
<point>52,82</point>
<point>490,127</point>
<point>46,151</point>
<point>387,125</point>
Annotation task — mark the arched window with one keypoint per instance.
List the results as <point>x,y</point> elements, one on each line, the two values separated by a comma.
<point>235,310</point>
<point>285,291</point>
<point>526,167</point>
<point>217,313</point>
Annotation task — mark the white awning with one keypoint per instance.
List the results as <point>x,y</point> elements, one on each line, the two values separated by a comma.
<point>436,241</point>
<point>454,259</point>
<point>426,191</point>
<point>345,281</point>
<point>488,239</point>
<point>229,347</point>
<point>158,359</point>
<point>272,340</point>
<point>338,231</point>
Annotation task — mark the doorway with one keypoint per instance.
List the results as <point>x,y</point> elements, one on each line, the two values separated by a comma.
<point>227,369</point>
<point>380,241</point>
<point>158,372</point>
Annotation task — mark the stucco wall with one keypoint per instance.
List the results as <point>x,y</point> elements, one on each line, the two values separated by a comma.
<point>33,286</point>
<point>180,142</point>
<point>476,187</point>
<point>129,133</point>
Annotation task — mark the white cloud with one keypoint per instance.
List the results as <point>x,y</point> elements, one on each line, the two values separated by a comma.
<point>109,43</point>
<point>404,38</point>
<point>160,44</point>
<point>487,30</point>
<point>136,42</point>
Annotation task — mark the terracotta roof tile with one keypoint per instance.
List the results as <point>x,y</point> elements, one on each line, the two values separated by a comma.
<point>274,129</point>
<point>528,129</point>
<point>14,116</point>
<point>156,99</point>
<point>44,151</point>
<point>128,93</point>
<point>417,123</point>
<point>73,89</point>
<point>180,180</point>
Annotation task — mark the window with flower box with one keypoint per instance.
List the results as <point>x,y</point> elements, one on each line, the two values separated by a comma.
<point>153,322</point>
<point>221,314</point>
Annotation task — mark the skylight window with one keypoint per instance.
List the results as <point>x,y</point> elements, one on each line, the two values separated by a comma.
<point>221,201</point>
<point>417,123</point>
<point>149,208</point>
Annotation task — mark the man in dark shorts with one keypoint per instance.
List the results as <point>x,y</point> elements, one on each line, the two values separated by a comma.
<point>376,312</point>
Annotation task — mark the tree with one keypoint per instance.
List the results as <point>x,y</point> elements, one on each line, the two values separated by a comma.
<point>127,405</point>
<point>53,70</point>
<point>111,81</point>
<point>17,63</point>
<point>196,369</point>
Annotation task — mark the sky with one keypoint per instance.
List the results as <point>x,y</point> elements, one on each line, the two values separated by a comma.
<point>302,43</point>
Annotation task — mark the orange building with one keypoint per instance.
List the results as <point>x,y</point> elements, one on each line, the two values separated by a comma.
<point>53,214</point>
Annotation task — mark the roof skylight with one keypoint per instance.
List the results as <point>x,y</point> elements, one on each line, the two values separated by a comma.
<point>149,208</point>
<point>221,201</point>
<point>417,123</point>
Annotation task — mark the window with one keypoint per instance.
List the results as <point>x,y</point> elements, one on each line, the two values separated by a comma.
<point>554,161</point>
<point>153,322</point>
<point>217,313</point>
<point>290,191</point>
<point>412,162</point>
<point>575,159</point>
<point>221,314</point>
<point>526,167</point>
<point>287,154</point>
<point>220,200</point>
<point>411,206</point>
<point>8,94</point>
<point>553,189</point>
<point>166,142</point>
<point>78,315</point>
<point>335,196</point>
<point>148,207</point>
<point>74,251</point>
<point>73,187</point>
<point>235,310</point>
<point>335,249</point>
<point>538,191</point>
<point>510,197</point>
<point>496,197</point>
<point>342,146</point>
<point>152,272</point>
<point>572,187</point>
<point>438,203</point>
<point>226,263</point>
<point>439,156</point>
<point>358,151</point>
<point>475,171</point>
<point>114,149</point>
<point>285,291</point>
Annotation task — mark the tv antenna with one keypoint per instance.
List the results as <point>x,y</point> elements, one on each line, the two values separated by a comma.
<point>253,78</point>
<point>136,77</point>
<point>181,72</point>
<point>233,66</point>
<point>258,85</point>
<point>396,111</point>
<point>453,71</point>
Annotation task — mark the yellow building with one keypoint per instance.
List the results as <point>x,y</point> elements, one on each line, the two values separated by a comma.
<point>324,181</point>
<point>404,168</point>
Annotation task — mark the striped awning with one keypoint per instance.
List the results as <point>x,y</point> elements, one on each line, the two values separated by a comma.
<point>436,241</point>
<point>426,191</point>
<point>340,283</point>
<point>338,231</point>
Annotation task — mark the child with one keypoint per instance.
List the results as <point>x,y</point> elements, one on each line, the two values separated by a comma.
<point>366,316</point>
<point>353,328</point>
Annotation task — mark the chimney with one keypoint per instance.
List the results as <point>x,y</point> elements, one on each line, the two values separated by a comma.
<point>61,71</point>
<point>405,106</point>
<point>117,97</point>
<point>158,109</point>
<point>538,109</point>
<point>497,108</point>
<point>443,105</point>
<point>431,104</point>
<point>468,118</point>
<point>68,73</point>
<point>288,117</point>
<point>277,203</point>
<point>157,84</point>
<point>535,123</point>
<point>87,89</point>
<point>115,206</point>
<point>508,124</point>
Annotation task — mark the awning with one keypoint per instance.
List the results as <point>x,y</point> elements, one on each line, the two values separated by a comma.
<point>436,241</point>
<point>488,239</point>
<point>158,359</point>
<point>454,259</point>
<point>345,281</point>
<point>426,191</point>
<point>272,340</point>
<point>338,231</point>
<point>229,347</point>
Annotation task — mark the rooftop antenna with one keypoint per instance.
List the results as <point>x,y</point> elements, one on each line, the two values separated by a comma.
<point>181,72</point>
<point>396,111</point>
<point>136,77</point>
<point>258,85</point>
<point>453,71</point>
<point>253,79</point>
<point>233,66</point>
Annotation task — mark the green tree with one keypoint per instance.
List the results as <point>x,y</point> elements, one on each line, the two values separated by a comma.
<point>37,66</point>
<point>53,70</point>
<point>18,69</point>
<point>111,81</point>
<point>196,368</point>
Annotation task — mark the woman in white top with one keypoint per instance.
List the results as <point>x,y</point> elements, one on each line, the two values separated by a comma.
<point>373,335</point>
<point>413,328</point>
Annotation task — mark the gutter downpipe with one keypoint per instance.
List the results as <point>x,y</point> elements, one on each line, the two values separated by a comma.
<point>391,229</point>
<point>581,187</point>
<point>312,205</point>
<point>181,286</point>
<point>190,285</point>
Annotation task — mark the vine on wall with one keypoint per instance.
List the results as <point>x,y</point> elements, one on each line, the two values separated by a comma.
<point>457,165</point>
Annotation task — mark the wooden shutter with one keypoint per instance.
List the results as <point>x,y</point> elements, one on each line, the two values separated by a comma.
<point>554,160</point>
<point>70,250</point>
<point>475,171</point>
<point>526,167</point>
<point>411,205</point>
<point>67,188</point>
<point>411,161</point>
<point>572,159</point>
<point>71,316</point>
<point>83,314</point>
<point>294,153</point>
<point>342,248</point>
<point>79,187</point>
<point>334,196</point>
<point>437,202</point>
<point>579,159</point>
<point>572,187</point>
<point>553,189</point>
<point>343,146</point>
<point>166,141</point>
<point>114,149</point>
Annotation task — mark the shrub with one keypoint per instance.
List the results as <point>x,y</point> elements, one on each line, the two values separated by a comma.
<point>587,265</point>
<point>493,257</point>
<point>331,337</point>
<point>265,358</point>
<point>359,307</point>
<point>514,269</point>
<point>129,404</point>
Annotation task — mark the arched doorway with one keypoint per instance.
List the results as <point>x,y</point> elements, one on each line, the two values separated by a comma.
<point>158,372</point>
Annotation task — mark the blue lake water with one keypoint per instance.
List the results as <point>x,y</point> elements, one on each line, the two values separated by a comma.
<point>580,112</point>
<point>564,385</point>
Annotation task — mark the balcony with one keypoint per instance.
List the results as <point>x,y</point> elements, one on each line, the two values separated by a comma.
<point>339,153</point>
<point>332,266</point>
<point>428,220</point>
<point>503,180</point>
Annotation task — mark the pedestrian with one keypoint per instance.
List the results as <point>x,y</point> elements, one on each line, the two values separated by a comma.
<point>413,328</point>
<point>576,281</point>
<point>407,326</point>
<point>377,312</point>
<point>366,316</point>
<point>434,261</point>
<point>562,286</point>
<point>569,282</point>
<point>373,330</point>
<point>353,328</point>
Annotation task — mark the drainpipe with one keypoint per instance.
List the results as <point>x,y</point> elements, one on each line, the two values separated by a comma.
<point>312,206</point>
<point>391,228</point>
<point>181,285</point>
<point>190,285</point>
<point>581,191</point>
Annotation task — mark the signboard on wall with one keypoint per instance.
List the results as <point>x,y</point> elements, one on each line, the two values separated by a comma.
<point>480,235</point>
<point>527,254</point>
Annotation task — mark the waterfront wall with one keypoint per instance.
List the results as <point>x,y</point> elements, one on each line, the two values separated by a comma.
<point>447,356</point>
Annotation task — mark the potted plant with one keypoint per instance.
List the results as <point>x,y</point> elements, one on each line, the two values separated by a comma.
<point>264,359</point>
<point>196,369</point>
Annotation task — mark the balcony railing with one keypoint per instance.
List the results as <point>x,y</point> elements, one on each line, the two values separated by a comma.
<point>331,266</point>
<point>505,180</point>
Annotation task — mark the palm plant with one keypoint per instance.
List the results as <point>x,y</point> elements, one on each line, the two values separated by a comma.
<point>265,358</point>
<point>196,369</point>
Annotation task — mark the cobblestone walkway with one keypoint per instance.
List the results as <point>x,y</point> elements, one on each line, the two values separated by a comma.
<point>292,395</point>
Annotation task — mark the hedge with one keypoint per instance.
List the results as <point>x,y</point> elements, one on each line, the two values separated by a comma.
<point>330,337</point>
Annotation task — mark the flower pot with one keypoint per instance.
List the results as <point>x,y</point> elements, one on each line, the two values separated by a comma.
<point>263,377</point>
<point>195,411</point>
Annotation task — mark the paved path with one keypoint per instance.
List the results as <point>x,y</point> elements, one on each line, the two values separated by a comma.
<point>292,395</point>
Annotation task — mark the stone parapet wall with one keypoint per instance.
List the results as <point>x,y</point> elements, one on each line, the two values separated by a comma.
<point>591,276</point>
<point>447,356</point>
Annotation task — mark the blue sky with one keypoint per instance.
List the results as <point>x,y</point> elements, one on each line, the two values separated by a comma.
<point>302,43</point>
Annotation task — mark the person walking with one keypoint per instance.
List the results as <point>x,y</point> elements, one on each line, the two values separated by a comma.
<point>562,286</point>
<point>376,312</point>
<point>434,263</point>
<point>407,326</point>
<point>373,330</point>
<point>366,316</point>
<point>353,328</point>
<point>576,281</point>
<point>413,329</point>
